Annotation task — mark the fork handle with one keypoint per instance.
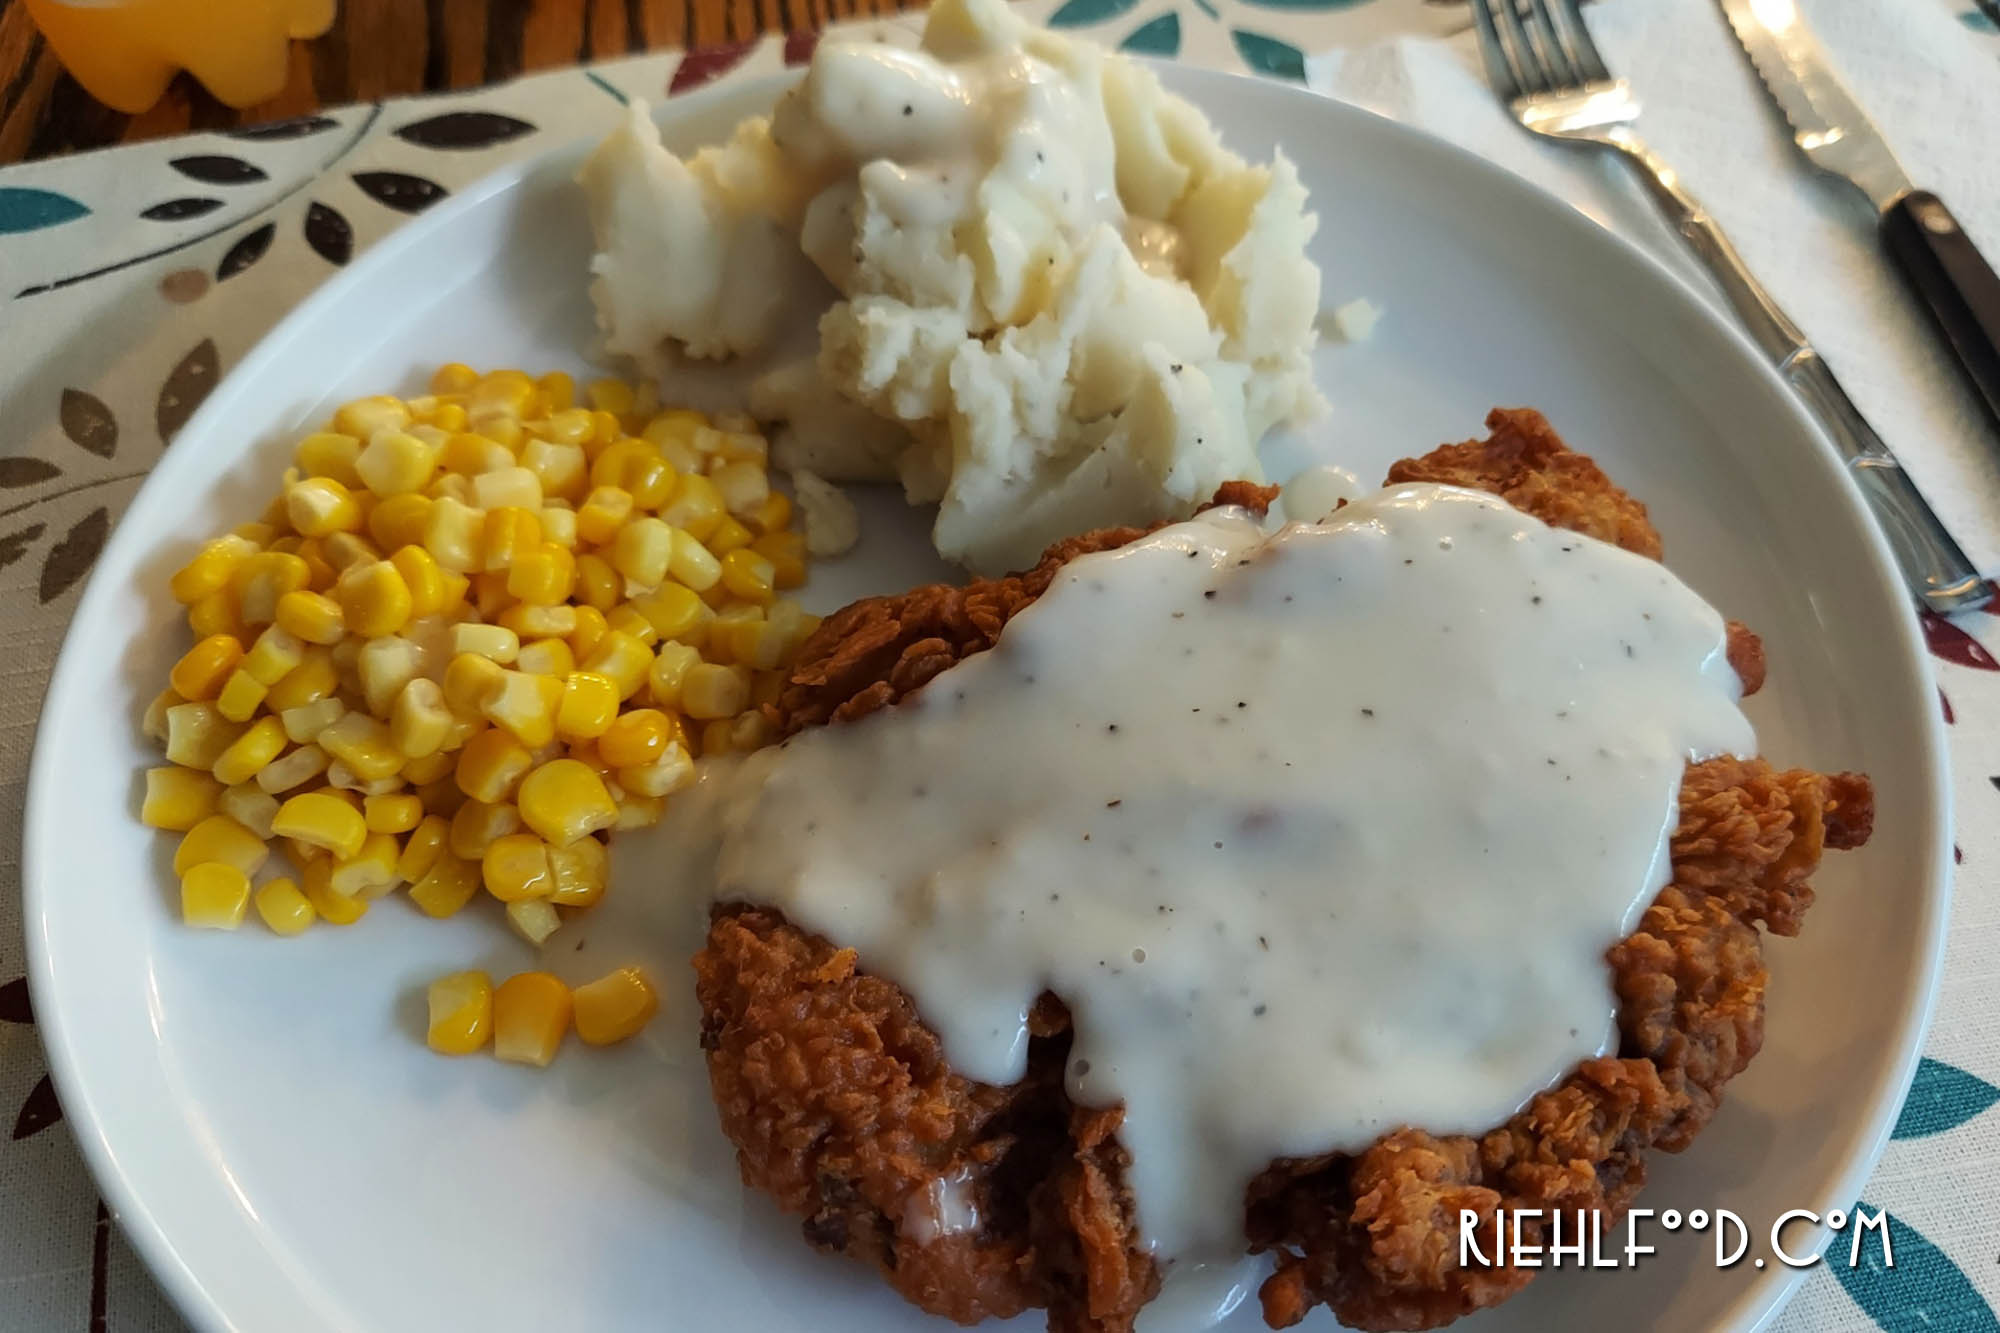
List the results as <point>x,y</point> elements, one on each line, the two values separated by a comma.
<point>1933,566</point>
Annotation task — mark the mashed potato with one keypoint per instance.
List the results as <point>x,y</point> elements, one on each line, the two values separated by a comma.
<point>1005,269</point>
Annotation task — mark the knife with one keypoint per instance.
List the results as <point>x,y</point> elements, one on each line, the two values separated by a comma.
<point>1949,274</point>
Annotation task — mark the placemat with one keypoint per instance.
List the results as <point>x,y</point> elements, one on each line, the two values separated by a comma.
<point>133,278</point>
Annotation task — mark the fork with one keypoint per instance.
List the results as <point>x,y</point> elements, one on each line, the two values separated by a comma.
<point>1549,72</point>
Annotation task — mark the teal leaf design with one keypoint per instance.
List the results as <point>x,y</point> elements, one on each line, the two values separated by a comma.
<point>1942,1096</point>
<point>1268,55</point>
<point>1082,13</point>
<point>1315,5</point>
<point>1978,22</point>
<point>25,209</point>
<point>1924,1293</point>
<point>1155,37</point>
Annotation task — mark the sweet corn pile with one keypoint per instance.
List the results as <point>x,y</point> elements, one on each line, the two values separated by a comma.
<point>477,631</point>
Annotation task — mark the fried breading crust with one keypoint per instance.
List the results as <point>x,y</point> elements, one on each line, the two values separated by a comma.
<point>842,1106</point>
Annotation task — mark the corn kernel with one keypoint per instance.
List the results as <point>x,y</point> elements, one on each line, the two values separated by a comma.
<point>668,772</point>
<point>675,427</point>
<point>749,575</point>
<point>589,704</point>
<point>240,696</point>
<point>321,819</point>
<point>313,679</point>
<point>718,737</point>
<point>516,867</point>
<point>423,847</point>
<point>461,1013</point>
<point>560,467</point>
<point>216,614</point>
<point>743,486</point>
<point>589,628</point>
<point>543,575</point>
<point>362,743</point>
<point>641,551</point>
<point>424,770</point>
<point>293,770</point>
<point>344,550</point>
<point>213,895</point>
<point>203,669</point>
<point>579,872</point>
<point>392,814</point>
<point>318,506</point>
<point>304,723</point>
<point>220,838</point>
<point>197,734</point>
<point>419,720</point>
<point>667,673</point>
<point>787,553</point>
<point>178,798</point>
<point>621,658</point>
<point>399,521</point>
<point>311,617</point>
<point>614,1007</point>
<point>510,533</point>
<point>454,534</point>
<point>507,488</point>
<point>337,909</point>
<point>774,515</point>
<point>433,591</point>
<point>374,599</point>
<point>710,691</point>
<point>396,462</point>
<point>531,1012</point>
<point>470,455</point>
<point>559,526</point>
<point>446,885</point>
<point>692,563</point>
<point>385,666</point>
<point>364,416</point>
<point>490,766</point>
<point>605,510</point>
<point>696,507</point>
<point>564,800</point>
<point>638,469</point>
<point>339,775</point>
<point>249,805</point>
<point>729,535</point>
<point>635,738</point>
<point>470,681</point>
<point>262,742</point>
<point>154,721</point>
<point>609,395</point>
<point>533,920</point>
<point>628,621</point>
<point>547,657</point>
<point>211,569</point>
<point>284,909</point>
<point>636,812</point>
<point>477,824</point>
<point>453,377</point>
<point>371,871</point>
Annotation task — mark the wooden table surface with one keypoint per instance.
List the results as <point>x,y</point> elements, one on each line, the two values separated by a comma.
<point>381,48</point>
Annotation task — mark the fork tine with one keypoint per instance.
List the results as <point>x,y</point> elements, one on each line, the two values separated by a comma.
<point>1564,72</point>
<point>1584,50</point>
<point>1534,75</point>
<point>1499,71</point>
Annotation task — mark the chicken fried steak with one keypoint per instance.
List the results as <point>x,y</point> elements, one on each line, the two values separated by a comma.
<point>978,1201</point>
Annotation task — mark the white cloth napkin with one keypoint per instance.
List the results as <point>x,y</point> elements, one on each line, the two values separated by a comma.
<point>1931,85</point>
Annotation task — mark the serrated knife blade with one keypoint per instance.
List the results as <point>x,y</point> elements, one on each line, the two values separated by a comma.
<point>1827,124</point>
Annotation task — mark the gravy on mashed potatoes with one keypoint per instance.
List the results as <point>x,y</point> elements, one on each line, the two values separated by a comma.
<point>1004,268</point>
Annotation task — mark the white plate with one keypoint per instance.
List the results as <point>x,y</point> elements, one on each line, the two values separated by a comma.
<point>263,1116</point>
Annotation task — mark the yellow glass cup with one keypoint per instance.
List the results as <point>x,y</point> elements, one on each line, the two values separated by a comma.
<point>125,52</point>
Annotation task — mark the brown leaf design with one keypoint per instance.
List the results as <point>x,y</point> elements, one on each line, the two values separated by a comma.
<point>89,423</point>
<point>187,384</point>
<point>71,558</point>
<point>707,65</point>
<point>15,544</point>
<point>15,1006</point>
<point>40,1110</point>
<point>23,470</point>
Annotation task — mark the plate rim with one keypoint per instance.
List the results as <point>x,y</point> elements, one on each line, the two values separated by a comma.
<point>1769,1290</point>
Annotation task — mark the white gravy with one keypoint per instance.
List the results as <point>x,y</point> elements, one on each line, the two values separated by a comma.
<point>1317,834</point>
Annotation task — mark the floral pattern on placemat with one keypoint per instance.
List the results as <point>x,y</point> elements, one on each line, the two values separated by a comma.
<point>176,257</point>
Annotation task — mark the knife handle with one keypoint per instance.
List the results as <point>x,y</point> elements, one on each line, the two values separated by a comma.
<point>1954,280</point>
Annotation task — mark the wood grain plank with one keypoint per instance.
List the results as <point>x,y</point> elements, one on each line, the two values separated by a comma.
<point>18,126</point>
<point>552,35</point>
<point>387,44</point>
<point>296,98</point>
<point>71,119</point>
<point>18,45</point>
<point>608,32</point>
<point>662,23</point>
<point>458,43</point>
